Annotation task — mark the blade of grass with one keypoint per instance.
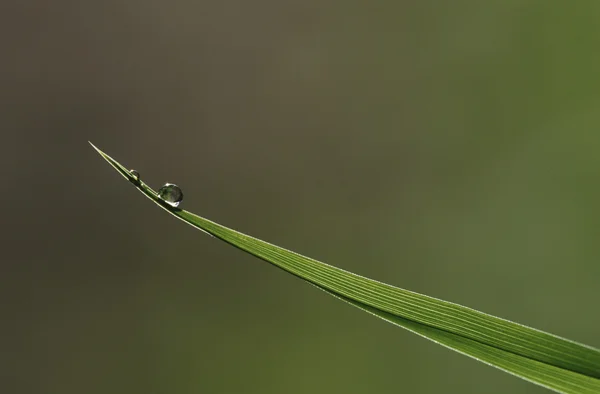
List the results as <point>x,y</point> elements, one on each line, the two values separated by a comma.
<point>539,357</point>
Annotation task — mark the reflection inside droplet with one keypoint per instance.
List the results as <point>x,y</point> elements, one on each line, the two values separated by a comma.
<point>135,175</point>
<point>171,194</point>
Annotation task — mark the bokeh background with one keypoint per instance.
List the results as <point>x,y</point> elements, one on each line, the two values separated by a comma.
<point>447,147</point>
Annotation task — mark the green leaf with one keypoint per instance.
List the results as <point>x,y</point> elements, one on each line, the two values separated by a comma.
<point>542,358</point>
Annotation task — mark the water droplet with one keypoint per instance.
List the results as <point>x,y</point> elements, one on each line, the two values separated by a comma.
<point>171,194</point>
<point>135,175</point>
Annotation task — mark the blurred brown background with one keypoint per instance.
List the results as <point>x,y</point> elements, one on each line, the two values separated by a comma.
<point>447,147</point>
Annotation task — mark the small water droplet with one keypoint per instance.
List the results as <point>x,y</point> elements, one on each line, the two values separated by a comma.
<point>171,194</point>
<point>135,175</point>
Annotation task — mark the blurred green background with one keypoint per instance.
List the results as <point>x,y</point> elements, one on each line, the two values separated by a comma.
<point>447,147</point>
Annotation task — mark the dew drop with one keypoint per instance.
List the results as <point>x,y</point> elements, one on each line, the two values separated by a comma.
<point>135,175</point>
<point>171,194</point>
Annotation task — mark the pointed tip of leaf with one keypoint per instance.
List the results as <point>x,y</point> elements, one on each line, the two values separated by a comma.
<point>98,150</point>
<point>115,164</point>
<point>95,147</point>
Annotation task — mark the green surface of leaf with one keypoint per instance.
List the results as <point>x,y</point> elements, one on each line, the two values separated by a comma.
<point>545,359</point>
